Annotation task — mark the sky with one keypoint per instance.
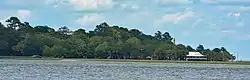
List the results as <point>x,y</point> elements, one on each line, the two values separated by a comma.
<point>212,23</point>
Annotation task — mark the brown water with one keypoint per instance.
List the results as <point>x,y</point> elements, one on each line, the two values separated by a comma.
<point>86,70</point>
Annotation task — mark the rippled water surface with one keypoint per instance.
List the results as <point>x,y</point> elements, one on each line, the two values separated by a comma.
<point>86,70</point>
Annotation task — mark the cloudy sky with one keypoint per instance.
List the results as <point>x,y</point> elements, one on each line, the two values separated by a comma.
<point>212,23</point>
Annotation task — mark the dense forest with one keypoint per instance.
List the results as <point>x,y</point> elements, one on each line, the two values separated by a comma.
<point>21,39</point>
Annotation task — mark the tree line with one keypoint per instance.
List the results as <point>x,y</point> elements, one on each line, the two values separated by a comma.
<point>21,39</point>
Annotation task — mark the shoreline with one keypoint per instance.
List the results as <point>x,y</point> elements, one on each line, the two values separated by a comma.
<point>170,61</point>
<point>128,60</point>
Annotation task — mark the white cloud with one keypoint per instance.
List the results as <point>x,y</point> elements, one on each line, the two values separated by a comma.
<point>223,1</point>
<point>234,34</point>
<point>129,6</point>
<point>175,1</point>
<point>197,22</point>
<point>135,7</point>
<point>235,8</point>
<point>234,14</point>
<point>23,14</point>
<point>50,1</point>
<point>235,0</point>
<point>23,2</point>
<point>90,20</point>
<point>92,4</point>
<point>56,3</point>
<point>177,17</point>
<point>171,17</point>
<point>82,4</point>
<point>208,1</point>
<point>124,5</point>
<point>229,31</point>
<point>244,37</point>
<point>240,24</point>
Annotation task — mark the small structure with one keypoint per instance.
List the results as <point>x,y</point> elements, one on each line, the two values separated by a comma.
<point>149,58</point>
<point>36,56</point>
<point>195,56</point>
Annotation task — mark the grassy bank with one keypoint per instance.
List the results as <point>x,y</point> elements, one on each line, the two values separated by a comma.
<point>27,58</point>
<point>127,60</point>
<point>169,61</point>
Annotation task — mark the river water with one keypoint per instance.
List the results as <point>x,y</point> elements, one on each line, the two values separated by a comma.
<point>87,70</point>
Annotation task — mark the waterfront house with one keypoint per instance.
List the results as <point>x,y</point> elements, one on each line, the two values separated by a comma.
<point>197,56</point>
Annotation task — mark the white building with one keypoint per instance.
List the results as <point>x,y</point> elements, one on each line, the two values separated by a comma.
<point>195,56</point>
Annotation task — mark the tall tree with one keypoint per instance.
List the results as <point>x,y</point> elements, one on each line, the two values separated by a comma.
<point>133,45</point>
<point>181,51</point>
<point>200,48</point>
<point>13,22</point>
<point>29,46</point>
<point>166,36</point>
<point>43,29</point>
<point>158,35</point>
<point>12,36</point>
<point>26,27</point>
<point>100,28</point>
<point>225,54</point>
<point>190,49</point>
<point>104,50</point>
<point>217,50</point>
<point>80,31</point>
<point>135,32</point>
<point>64,30</point>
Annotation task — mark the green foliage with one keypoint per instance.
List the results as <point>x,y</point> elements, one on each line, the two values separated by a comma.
<point>13,22</point>
<point>55,51</point>
<point>105,41</point>
<point>29,46</point>
<point>166,36</point>
<point>190,49</point>
<point>200,48</point>
<point>43,29</point>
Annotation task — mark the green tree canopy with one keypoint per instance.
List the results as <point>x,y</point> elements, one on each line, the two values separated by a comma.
<point>105,41</point>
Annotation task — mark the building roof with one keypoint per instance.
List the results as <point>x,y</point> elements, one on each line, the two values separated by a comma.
<point>194,54</point>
